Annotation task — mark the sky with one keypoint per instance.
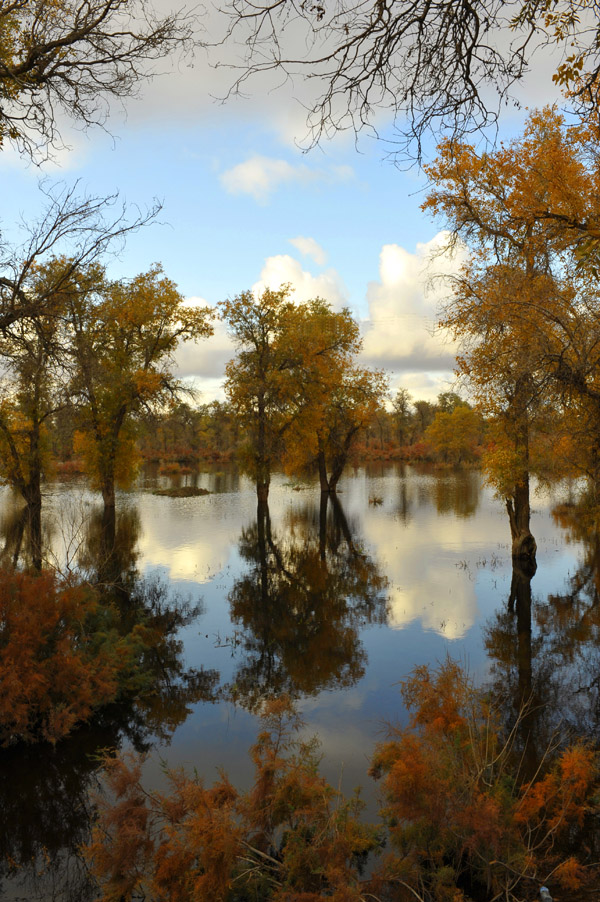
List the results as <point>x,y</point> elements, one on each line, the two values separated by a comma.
<point>244,206</point>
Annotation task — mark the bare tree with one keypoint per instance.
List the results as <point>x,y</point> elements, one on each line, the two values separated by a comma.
<point>73,232</point>
<point>435,65</point>
<point>73,56</point>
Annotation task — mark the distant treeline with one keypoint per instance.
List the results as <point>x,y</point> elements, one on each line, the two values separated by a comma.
<point>448,431</point>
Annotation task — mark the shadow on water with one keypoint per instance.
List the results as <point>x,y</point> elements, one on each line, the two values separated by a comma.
<point>300,604</point>
<point>45,789</point>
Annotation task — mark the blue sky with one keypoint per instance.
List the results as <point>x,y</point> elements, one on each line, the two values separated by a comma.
<point>244,206</point>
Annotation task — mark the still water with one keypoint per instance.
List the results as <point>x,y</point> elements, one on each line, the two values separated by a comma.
<point>333,603</point>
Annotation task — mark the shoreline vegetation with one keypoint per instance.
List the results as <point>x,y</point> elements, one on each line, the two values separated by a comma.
<point>460,817</point>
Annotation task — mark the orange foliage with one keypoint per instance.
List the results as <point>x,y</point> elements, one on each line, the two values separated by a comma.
<point>53,670</point>
<point>290,837</point>
<point>454,813</point>
<point>454,804</point>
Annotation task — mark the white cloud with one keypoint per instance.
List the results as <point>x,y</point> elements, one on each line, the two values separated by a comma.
<point>281,269</point>
<point>401,333</point>
<point>205,359</point>
<point>308,247</point>
<point>260,176</point>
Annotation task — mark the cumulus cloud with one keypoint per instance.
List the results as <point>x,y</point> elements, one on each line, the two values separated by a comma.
<point>202,363</point>
<point>282,269</point>
<point>400,333</point>
<point>308,247</point>
<point>260,176</point>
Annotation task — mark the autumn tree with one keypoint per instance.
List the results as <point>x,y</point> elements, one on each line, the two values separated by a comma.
<point>32,393</point>
<point>72,232</point>
<point>279,376</point>
<point>123,335</point>
<point>455,436</point>
<point>350,406</point>
<point>401,404</point>
<point>68,57</point>
<point>461,816</point>
<point>513,306</point>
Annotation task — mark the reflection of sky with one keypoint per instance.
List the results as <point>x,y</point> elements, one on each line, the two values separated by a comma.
<point>448,572</point>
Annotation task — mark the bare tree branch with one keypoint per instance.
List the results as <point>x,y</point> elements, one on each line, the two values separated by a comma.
<point>73,56</point>
<point>436,66</point>
<point>74,231</point>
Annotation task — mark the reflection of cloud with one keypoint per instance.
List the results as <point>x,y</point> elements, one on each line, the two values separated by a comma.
<point>401,331</point>
<point>423,563</point>
<point>446,608</point>
<point>167,540</point>
<point>282,269</point>
<point>259,176</point>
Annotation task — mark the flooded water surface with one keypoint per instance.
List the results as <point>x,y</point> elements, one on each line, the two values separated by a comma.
<point>332,601</point>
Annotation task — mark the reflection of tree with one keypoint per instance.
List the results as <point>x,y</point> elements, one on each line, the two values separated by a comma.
<point>301,603</point>
<point>45,796</point>
<point>44,790</point>
<point>109,554</point>
<point>547,654</point>
<point>21,537</point>
<point>163,687</point>
<point>452,493</point>
<point>458,493</point>
<point>522,679</point>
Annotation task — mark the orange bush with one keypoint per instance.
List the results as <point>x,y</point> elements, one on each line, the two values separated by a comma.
<point>456,817</point>
<point>53,670</point>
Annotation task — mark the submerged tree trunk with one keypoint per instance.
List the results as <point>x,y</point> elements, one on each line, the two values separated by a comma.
<point>329,482</point>
<point>323,526</point>
<point>263,463</point>
<point>519,514</point>
<point>34,517</point>
<point>322,464</point>
<point>109,570</point>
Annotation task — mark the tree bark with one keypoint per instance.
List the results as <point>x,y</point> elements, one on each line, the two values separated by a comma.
<point>263,463</point>
<point>519,513</point>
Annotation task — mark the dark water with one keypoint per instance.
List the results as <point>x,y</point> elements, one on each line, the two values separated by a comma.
<point>333,603</point>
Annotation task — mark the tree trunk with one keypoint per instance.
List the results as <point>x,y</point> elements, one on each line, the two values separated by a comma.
<point>109,570</point>
<point>263,464</point>
<point>323,525</point>
<point>519,512</point>
<point>34,516</point>
<point>262,492</point>
<point>107,488</point>
<point>323,471</point>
